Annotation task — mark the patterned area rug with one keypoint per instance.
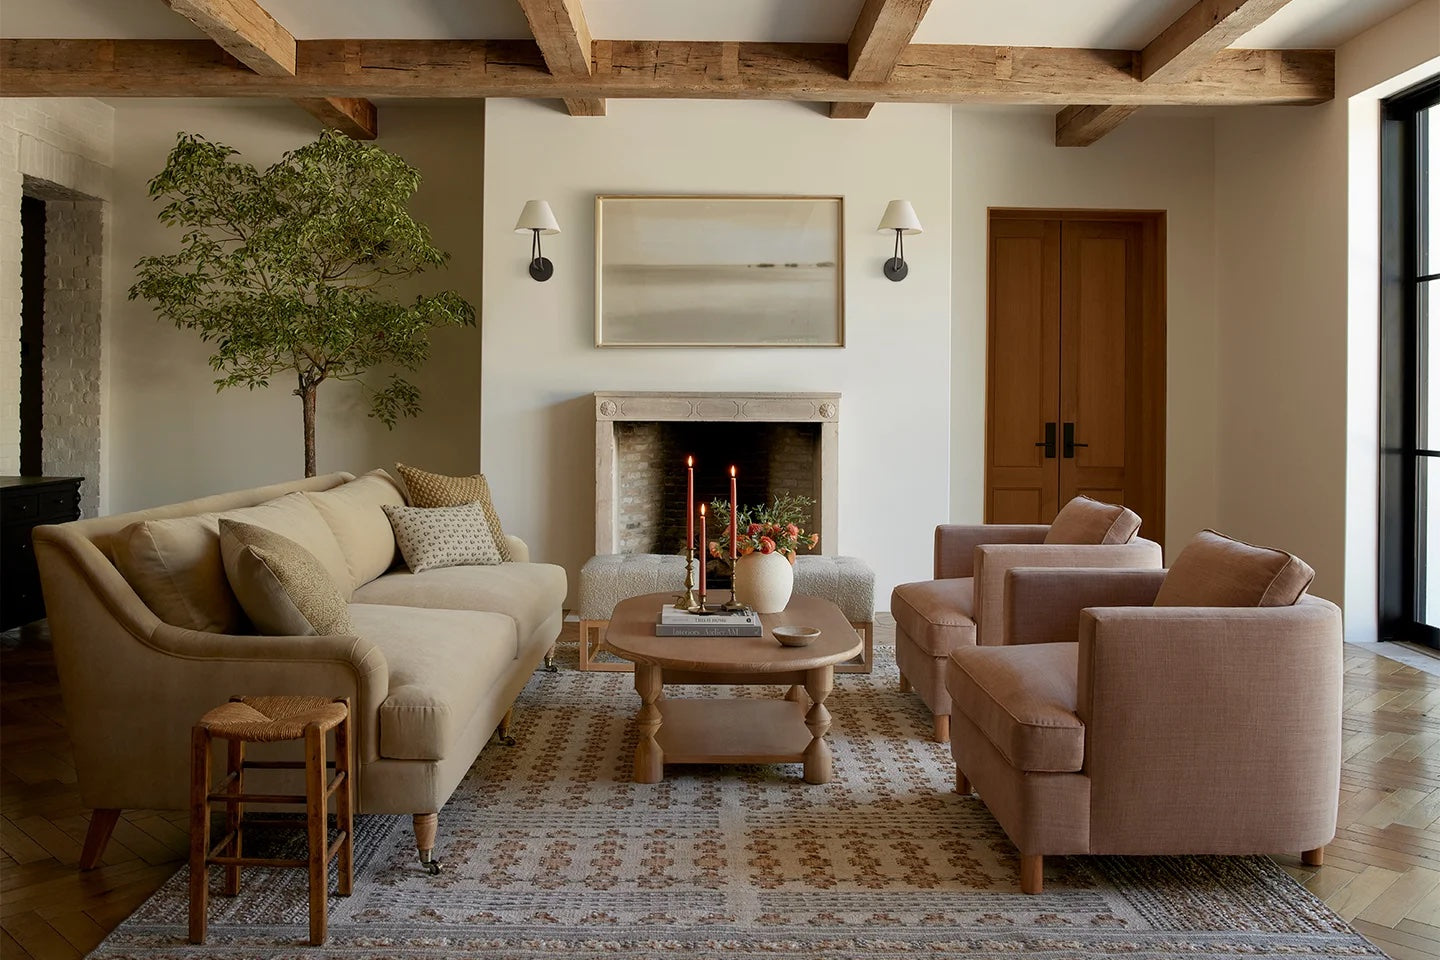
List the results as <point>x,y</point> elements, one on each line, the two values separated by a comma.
<point>550,850</point>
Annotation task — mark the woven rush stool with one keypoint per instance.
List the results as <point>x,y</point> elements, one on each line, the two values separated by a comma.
<point>271,720</point>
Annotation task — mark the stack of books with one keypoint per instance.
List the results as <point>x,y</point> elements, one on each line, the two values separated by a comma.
<point>678,623</point>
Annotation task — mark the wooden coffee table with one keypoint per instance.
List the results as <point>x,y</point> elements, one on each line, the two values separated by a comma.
<point>739,730</point>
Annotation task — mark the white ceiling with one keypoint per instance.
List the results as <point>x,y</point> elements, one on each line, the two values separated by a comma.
<point>1125,24</point>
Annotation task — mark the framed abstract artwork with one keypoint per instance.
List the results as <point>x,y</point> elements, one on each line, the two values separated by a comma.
<point>735,271</point>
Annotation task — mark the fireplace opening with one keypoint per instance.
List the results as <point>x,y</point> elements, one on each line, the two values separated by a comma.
<point>771,459</point>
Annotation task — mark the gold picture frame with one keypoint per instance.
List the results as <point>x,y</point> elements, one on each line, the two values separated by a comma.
<point>726,270</point>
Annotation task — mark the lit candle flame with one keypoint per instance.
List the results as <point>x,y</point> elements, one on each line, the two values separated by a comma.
<point>732,471</point>
<point>689,461</point>
<point>702,509</point>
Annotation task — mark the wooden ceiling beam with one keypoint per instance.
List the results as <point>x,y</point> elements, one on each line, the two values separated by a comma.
<point>248,33</point>
<point>926,73</point>
<point>1182,50</point>
<point>564,40</point>
<point>882,32</point>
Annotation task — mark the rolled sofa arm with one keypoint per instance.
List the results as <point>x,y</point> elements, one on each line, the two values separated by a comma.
<point>955,544</point>
<point>1043,605</point>
<point>519,549</point>
<point>994,560</point>
<point>1212,728</point>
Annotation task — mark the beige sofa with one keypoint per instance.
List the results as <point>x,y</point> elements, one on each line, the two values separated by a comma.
<point>1204,724</point>
<point>436,664</point>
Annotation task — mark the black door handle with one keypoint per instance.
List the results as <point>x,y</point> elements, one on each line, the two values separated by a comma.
<point>1070,443</point>
<point>1049,442</point>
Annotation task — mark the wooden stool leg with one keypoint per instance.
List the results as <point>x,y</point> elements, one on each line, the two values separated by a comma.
<point>102,824</point>
<point>199,830</point>
<point>316,816</point>
<point>345,805</point>
<point>235,764</point>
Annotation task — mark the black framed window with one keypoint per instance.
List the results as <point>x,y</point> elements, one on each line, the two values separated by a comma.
<point>1410,367</point>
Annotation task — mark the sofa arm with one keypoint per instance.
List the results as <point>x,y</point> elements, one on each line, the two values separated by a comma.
<point>519,549</point>
<point>1043,605</point>
<point>1211,730</point>
<point>955,544</point>
<point>994,560</point>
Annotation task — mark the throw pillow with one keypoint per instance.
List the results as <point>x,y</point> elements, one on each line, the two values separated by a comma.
<point>437,490</point>
<point>1216,571</point>
<point>1084,520</point>
<point>283,588</point>
<point>174,565</point>
<point>443,536</point>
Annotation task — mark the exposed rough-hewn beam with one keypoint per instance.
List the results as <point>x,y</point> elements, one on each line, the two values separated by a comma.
<point>564,40</point>
<point>1203,31</point>
<point>1082,126</point>
<point>882,32</point>
<point>927,73</point>
<point>1181,50</point>
<point>353,116</point>
<point>245,30</point>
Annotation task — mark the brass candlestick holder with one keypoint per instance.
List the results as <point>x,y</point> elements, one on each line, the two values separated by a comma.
<point>733,605</point>
<point>688,601</point>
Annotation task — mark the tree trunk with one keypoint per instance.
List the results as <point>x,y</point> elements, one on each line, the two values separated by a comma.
<point>306,392</point>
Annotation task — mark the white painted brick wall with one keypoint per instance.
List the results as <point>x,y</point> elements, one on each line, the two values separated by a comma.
<point>65,142</point>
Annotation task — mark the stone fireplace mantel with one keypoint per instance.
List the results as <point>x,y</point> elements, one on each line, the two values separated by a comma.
<point>722,407</point>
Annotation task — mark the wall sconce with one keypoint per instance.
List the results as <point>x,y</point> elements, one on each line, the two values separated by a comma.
<point>537,219</point>
<point>900,217</point>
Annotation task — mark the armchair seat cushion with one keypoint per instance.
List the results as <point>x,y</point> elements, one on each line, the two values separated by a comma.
<point>1023,699</point>
<point>938,615</point>
<point>528,593</point>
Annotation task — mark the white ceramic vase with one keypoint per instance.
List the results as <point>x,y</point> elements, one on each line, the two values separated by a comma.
<point>764,581</point>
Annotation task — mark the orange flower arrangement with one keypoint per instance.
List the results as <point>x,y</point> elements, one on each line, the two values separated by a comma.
<point>768,528</point>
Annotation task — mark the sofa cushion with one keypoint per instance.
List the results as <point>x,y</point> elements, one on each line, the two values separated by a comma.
<point>295,517</point>
<point>443,664</point>
<point>1023,699</point>
<point>353,513</point>
<point>1216,571</point>
<point>1084,520</point>
<point>443,536</point>
<point>437,490</point>
<point>528,593</point>
<point>938,615</point>
<point>281,586</point>
<point>174,566</point>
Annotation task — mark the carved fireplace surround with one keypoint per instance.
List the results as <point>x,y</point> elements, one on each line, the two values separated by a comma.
<point>612,407</point>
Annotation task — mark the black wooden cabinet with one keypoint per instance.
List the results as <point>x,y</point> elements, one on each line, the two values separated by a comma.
<point>26,503</point>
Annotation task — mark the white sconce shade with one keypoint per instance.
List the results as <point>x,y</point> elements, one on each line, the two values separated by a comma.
<point>537,216</point>
<point>900,215</point>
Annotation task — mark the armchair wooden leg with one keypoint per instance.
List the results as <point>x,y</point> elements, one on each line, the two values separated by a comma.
<point>904,683</point>
<point>425,825</point>
<point>962,783</point>
<point>942,728</point>
<point>102,824</point>
<point>1032,873</point>
<point>1313,858</point>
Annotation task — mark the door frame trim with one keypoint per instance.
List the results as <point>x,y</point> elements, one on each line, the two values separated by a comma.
<point>1153,357</point>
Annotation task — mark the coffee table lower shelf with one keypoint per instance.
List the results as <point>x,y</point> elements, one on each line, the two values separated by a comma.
<point>745,730</point>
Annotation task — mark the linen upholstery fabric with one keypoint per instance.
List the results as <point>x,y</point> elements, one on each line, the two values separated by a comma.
<point>174,566</point>
<point>281,586</point>
<point>354,515</point>
<point>1084,520</point>
<point>528,593</point>
<point>442,536</point>
<point>442,665</point>
<point>295,517</point>
<point>936,615</point>
<point>955,543</point>
<point>1043,605</point>
<point>437,490</point>
<point>1023,700</point>
<point>1217,571</point>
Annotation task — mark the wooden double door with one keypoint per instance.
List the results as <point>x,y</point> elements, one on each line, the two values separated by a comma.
<point>1075,385</point>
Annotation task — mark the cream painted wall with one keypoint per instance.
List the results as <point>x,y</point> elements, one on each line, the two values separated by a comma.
<point>1296,211</point>
<point>1009,159</point>
<point>173,436</point>
<point>540,365</point>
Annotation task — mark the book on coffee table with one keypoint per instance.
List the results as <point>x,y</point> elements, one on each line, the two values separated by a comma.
<point>680,623</point>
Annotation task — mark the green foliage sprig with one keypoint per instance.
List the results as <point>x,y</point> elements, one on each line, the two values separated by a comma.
<point>764,528</point>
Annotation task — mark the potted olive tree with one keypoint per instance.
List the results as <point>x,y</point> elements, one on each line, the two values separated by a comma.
<point>286,270</point>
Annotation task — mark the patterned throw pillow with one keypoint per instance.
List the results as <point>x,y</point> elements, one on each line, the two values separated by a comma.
<point>437,490</point>
<point>431,537</point>
<point>281,586</point>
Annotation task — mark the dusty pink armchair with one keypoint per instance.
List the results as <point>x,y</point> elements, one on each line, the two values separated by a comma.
<point>962,605</point>
<point>1145,712</point>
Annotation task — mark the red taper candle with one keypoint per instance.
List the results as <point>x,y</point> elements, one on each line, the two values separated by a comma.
<point>690,503</point>
<point>704,549</point>
<point>734,520</point>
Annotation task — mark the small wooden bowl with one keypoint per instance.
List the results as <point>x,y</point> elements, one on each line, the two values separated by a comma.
<point>795,636</point>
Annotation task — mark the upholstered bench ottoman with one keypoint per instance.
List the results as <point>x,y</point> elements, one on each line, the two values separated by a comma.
<point>847,582</point>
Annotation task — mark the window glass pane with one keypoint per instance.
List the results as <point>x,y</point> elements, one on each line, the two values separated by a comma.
<point>1427,354</point>
<point>1429,124</point>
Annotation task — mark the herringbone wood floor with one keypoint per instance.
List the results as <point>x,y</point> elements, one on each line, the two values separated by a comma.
<point>1382,872</point>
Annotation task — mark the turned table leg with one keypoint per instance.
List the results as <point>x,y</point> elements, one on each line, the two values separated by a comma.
<point>649,758</point>
<point>818,684</point>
